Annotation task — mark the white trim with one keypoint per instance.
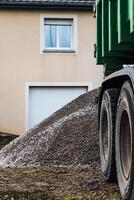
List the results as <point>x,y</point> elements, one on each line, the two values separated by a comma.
<point>59,16</point>
<point>89,86</point>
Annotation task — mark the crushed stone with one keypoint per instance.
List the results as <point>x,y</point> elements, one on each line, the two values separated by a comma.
<point>67,137</point>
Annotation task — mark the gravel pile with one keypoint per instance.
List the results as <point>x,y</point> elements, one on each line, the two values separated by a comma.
<point>68,137</point>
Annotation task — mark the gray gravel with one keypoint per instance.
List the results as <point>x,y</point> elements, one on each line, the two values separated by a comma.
<point>68,137</point>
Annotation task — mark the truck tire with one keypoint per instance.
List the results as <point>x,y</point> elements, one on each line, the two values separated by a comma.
<point>125,142</point>
<point>107,133</point>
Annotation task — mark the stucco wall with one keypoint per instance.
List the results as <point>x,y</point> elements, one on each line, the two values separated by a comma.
<point>21,62</point>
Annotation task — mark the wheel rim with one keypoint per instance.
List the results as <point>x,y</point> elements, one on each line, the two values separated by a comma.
<point>125,144</point>
<point>105,135</point>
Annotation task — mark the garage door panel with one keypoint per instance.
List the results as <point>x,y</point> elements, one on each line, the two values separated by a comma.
<point>43,101</point>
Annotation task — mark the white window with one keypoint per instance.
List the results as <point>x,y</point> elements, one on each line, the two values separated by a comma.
<point>58,34</point>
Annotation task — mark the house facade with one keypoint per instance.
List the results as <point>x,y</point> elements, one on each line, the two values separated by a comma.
<point>46,59</point>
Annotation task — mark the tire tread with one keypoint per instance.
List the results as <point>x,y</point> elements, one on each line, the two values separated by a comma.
<point>113,94</point>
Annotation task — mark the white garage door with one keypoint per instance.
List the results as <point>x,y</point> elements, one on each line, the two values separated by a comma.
<point>43,101</point>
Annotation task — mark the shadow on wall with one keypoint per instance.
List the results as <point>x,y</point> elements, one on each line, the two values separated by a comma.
<point>6,138</point>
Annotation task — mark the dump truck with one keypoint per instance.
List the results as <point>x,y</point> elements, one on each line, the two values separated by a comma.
<point>114,49</point>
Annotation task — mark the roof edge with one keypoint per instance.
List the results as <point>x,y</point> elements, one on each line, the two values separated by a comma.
<point>50,6</point>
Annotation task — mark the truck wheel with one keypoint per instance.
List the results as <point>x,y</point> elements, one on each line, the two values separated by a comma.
<point>125,142</point>
<point>107,133</point>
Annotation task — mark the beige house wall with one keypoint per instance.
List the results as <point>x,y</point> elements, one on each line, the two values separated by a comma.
<point>22,62</point>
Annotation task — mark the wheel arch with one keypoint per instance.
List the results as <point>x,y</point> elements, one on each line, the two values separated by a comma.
<point>115,80</point>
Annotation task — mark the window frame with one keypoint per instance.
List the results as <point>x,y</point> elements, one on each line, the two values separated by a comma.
<point>59,22</point>
<point>60,18</point>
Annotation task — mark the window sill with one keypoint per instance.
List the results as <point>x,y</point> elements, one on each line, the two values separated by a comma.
<point>58,51</point>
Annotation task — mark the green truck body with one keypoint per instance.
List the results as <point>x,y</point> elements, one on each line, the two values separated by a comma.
<point>115,33</point>
<point>114,50</point>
